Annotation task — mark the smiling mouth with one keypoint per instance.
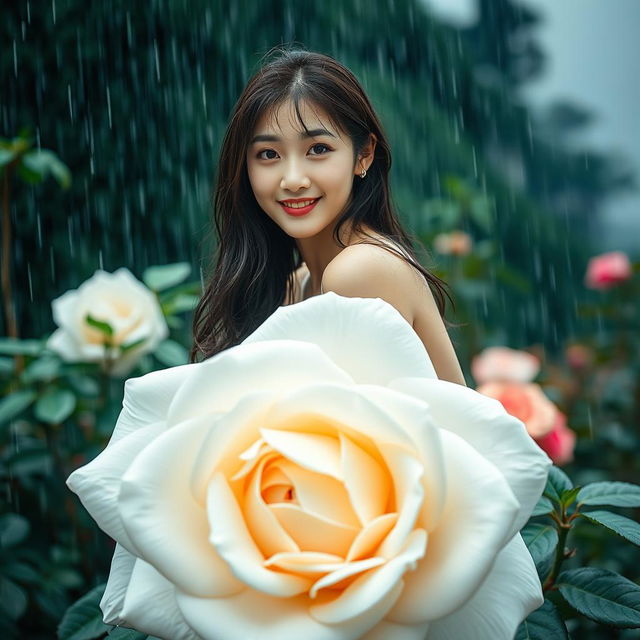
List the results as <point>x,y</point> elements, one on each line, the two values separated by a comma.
<point>300,208</point>
<point>298,204</point>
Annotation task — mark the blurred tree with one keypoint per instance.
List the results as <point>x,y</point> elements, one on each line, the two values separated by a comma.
<point>135,99</point>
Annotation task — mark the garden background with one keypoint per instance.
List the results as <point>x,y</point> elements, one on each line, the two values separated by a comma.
<point>111,117</point>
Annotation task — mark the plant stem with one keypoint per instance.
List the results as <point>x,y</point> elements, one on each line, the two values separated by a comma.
<point>563,526</point>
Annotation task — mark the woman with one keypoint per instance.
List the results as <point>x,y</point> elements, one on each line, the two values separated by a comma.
<point>303,132</point>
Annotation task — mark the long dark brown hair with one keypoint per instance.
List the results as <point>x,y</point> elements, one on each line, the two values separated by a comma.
<point>255,259</point>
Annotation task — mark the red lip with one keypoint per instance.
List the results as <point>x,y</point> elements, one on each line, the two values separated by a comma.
<point>301,211</point>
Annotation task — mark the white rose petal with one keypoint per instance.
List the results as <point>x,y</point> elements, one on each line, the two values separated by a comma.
<point>316,481</point>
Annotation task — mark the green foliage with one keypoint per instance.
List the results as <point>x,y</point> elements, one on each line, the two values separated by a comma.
<point>543,624</point>
<point>162,277</point>
<point>602,595</point>
<point>624,527</point>
<point>611,494</point>
<point>83,620</point>
<point>55,406</point>
<point>541,540</point>
<point>558,485</point>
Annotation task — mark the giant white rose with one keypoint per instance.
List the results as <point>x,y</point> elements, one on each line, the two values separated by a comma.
<point>316,481</point>
<point>126,304</point>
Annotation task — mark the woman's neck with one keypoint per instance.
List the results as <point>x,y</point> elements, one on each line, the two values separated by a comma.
<point>318,251</point>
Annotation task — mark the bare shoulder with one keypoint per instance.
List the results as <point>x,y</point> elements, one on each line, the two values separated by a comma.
<point>368,271</point>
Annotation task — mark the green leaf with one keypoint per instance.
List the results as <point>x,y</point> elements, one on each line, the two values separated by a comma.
<point>543,506</point>
<point>611,494</point>
<point>625,527</point>
<point>44,369</point>
<point>6,156</point>
<point>544,623</point>
<point>557,483</point>
<point>7,366</point>
<point>15,403</point>
<point>602,595</point>
<point>13,346</point>
<point>541,540</point>
<point>105,327</point>
<point>55,406</point>
<point>171,353</point>
<point>569,497</point>
<point>122,633</point>
<point>84,385</point>
<point>83,619</point>
<point>180,303</point>
<point>162,277</point>
<point>41,162</point>
<point>60,172</point>
<point>131,345</point>
<point>13,598</point>
<point>14,529</point>
<point>21,572</point>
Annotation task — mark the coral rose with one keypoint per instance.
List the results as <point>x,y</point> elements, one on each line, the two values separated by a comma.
<point>527,402</point>
<point>504,364</point>
<point>316,481</point>
<point>125,304</point>
<point>559,443</point>
<point>607,270</point>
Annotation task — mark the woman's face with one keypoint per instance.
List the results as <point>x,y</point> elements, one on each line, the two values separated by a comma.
<point>285,164</point>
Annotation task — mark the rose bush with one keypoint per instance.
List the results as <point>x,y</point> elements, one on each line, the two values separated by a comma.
<point>560,442</point>
<point>316,481</point>
<point>544,422</point>
<point>607,270</point>
<point>121,301</point>
<point>505,364</point>
<point>527,402</point>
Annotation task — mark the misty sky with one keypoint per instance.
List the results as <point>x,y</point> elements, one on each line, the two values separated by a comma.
<point>593,59</point>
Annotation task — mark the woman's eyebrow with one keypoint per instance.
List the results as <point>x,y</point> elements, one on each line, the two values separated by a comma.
<point>312,133</point>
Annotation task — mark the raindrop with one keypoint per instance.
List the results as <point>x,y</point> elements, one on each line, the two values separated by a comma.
<point>70,102</point>
<point>157,59</point>
<point>69,231</point>
<point>39,227</point>
<point>109,107</point>
<point>30,282</point>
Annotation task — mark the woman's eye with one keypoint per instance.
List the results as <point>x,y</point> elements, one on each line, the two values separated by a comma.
<point>320,145</point>
<point>314,147</point>
<point>265,151</point>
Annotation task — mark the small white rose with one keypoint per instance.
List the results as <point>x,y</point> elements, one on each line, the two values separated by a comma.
<point>316,481</point>
<point>126,304</point>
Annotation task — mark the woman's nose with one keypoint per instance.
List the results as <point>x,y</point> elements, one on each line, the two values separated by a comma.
<point>294,178</point>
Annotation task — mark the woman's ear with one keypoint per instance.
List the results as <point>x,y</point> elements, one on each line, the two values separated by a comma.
<point>365,158</point>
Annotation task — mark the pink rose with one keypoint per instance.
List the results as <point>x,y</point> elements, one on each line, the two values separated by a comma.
<point>526,402</point>
<point>607,270</point>
<point>502,363</point>
<point>559,443</point>
<point>579,356</point>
